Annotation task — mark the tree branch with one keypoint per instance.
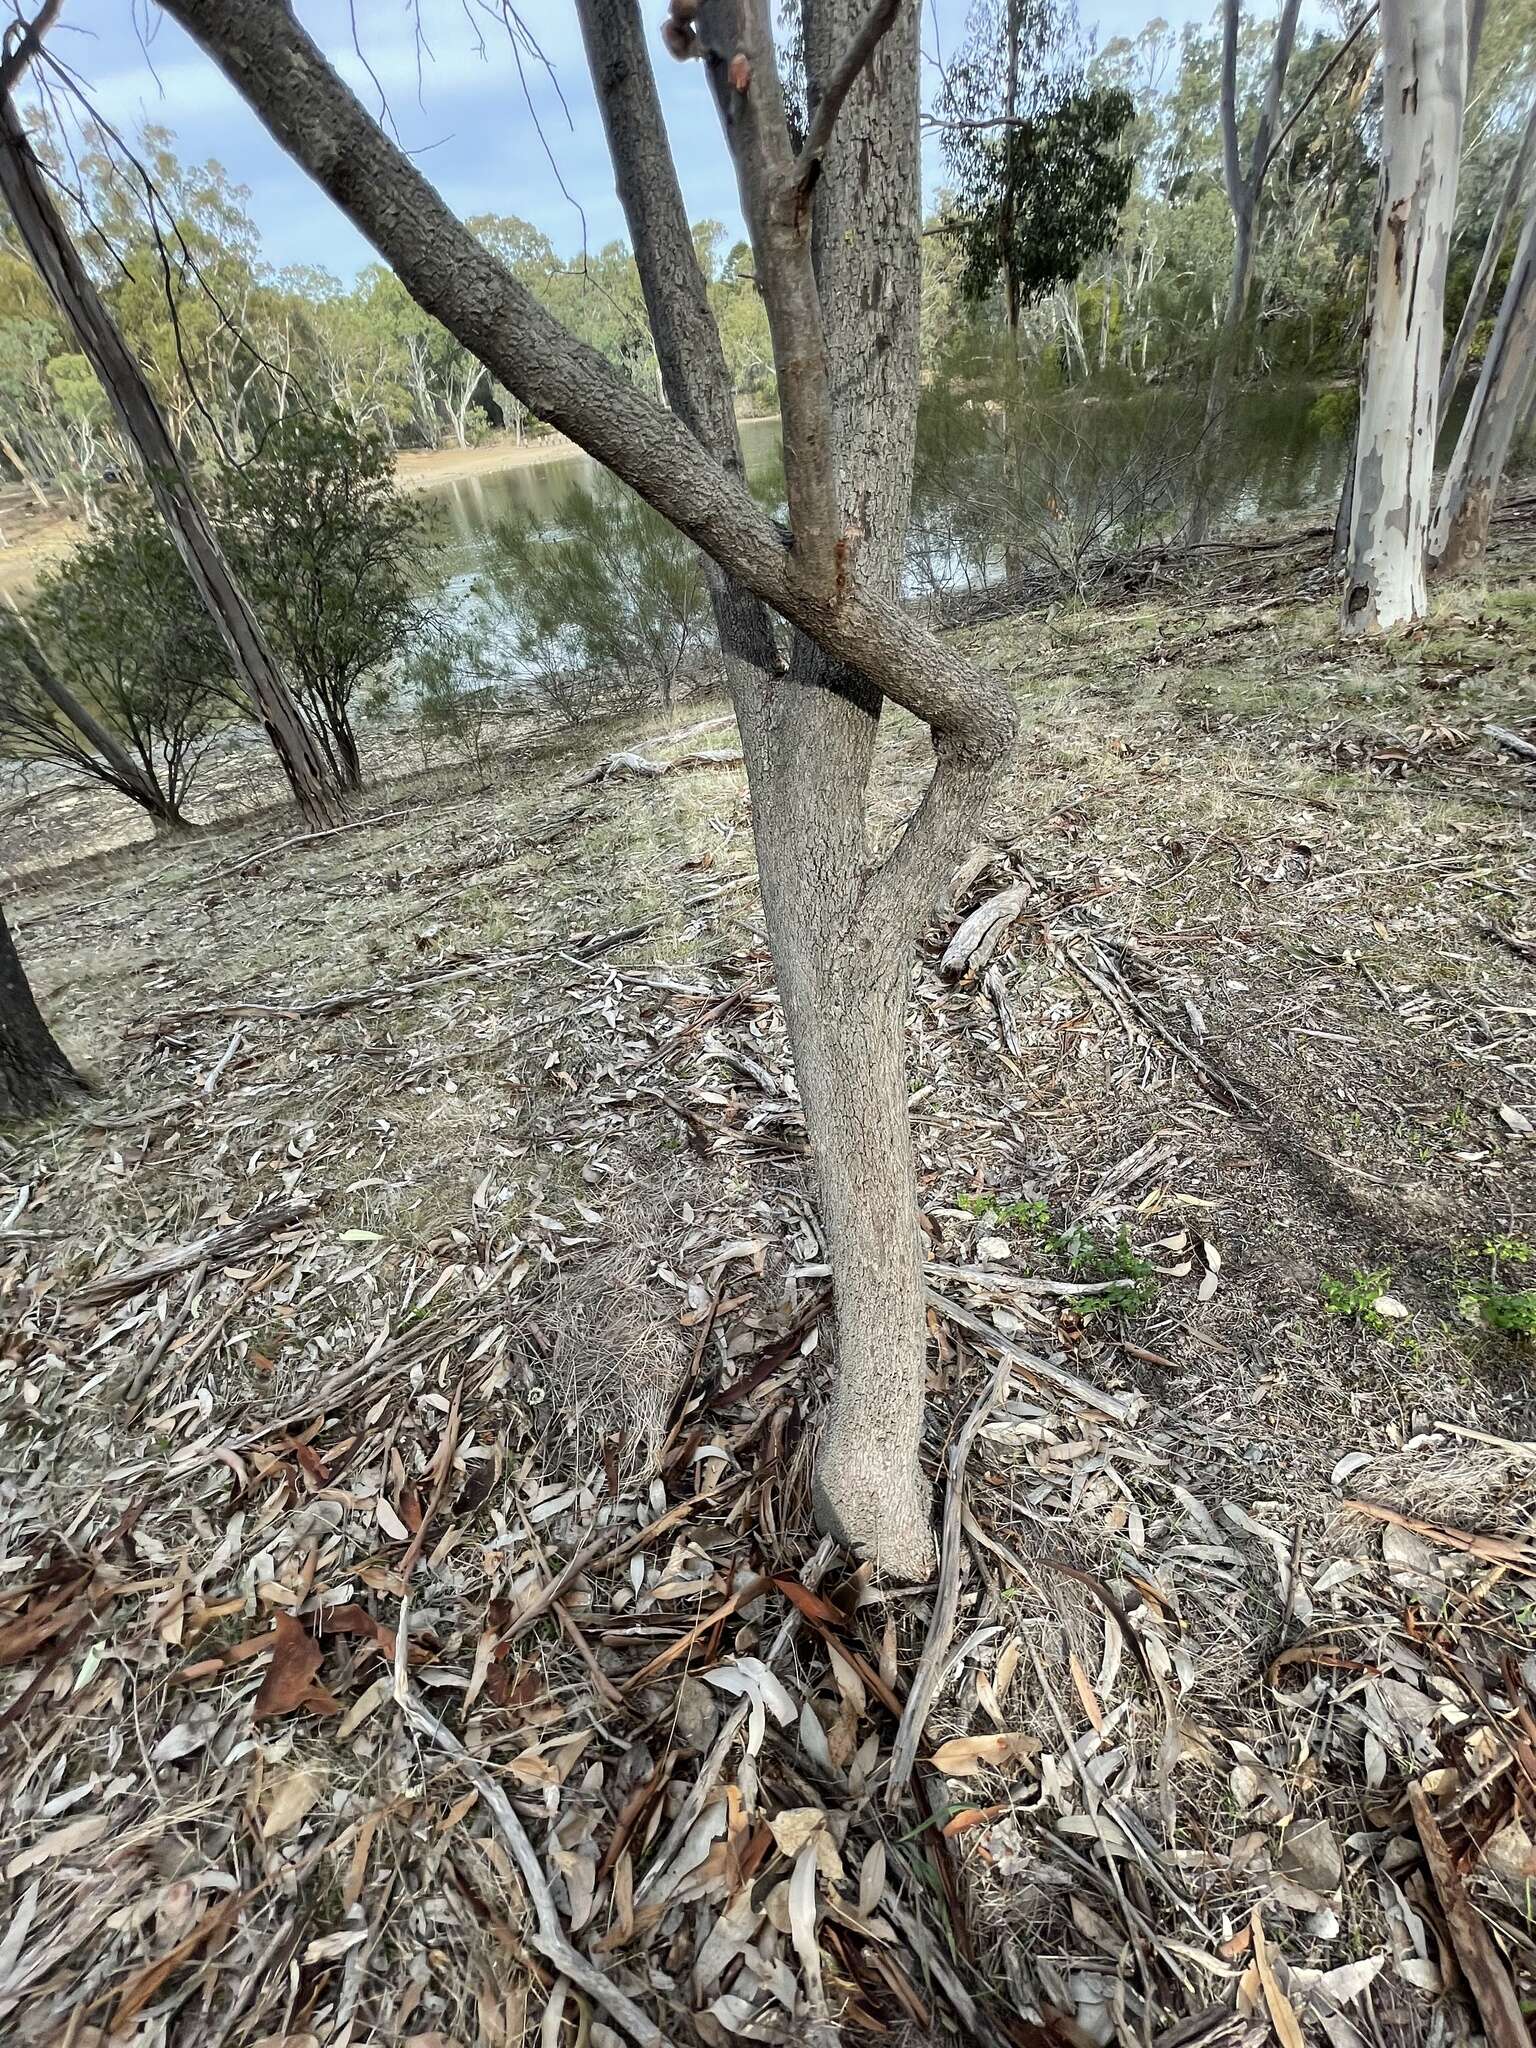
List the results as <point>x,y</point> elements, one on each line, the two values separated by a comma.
<point>20,53</point>
<point>845,75</point>
<point>1319,82</point>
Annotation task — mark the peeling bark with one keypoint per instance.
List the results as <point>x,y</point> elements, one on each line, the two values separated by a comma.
<point>1423,65</point>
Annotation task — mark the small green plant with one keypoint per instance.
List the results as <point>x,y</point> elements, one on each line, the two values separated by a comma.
<point>1084,1251</point>
<point>1488,1302</point>
<point>1359,1300</point>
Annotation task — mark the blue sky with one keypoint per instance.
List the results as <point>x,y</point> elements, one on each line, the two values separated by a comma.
<point>463,114</point>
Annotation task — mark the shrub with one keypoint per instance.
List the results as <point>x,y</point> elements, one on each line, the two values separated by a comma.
<point>331,555</point>
<point>122,630</point>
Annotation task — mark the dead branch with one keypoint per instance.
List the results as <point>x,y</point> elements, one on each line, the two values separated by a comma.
<point>642,766</point>
<point>550,1938</point>
<point>1511,740</point>
<point>983,933</point>
<point>216,1249</point>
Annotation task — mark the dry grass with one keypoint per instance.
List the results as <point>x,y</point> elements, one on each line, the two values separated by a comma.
<point>1269,1014</point>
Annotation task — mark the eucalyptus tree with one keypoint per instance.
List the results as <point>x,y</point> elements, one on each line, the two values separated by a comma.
<point>1459,536</point>
<point>1423,50</point>
<point>34,1073</point>
<point>835,226</point>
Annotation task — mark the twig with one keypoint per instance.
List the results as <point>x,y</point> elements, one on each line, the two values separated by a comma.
<point>1512,740</point>
<point>930,1668</point>
<point>1056,1376</point>
<point>261,853</point>
<point>550,1939</point>
<point>1486,1973</point>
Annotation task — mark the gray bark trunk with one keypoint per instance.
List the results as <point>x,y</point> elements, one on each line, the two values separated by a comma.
<point>842,922</point>
<point>47,242</point>
<point>1423,64</point>
<point>1459,536</point>
<point>807,741</point>
<point>34,1073</point>
<point>1516,186</point>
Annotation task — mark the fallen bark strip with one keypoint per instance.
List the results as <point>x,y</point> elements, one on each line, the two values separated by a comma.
<point>930,1669</point>
<point>1486,1971</point>
<point>1039,1369</point>
<point>216,1249</point>
<point>1002,1282</point>
<point>981,934</point>
<point>550,1938</point>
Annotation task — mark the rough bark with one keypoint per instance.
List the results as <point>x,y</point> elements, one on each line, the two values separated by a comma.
<point>34,1073</point>
<point>807,735</point>
<point>1423,65</point>
<point>1517,186</point>
<point>48,244</point>
<point>1459,536</point>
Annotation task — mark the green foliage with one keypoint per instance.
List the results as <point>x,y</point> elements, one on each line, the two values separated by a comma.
<point>1490,1302</point>
<point>1355,1299</point>
<point>604,600</point>
<point>331,555</point>
<point>122,627</point>
<point>1336,411</point>
<point>1084,1252</point>
<point>447,673</point>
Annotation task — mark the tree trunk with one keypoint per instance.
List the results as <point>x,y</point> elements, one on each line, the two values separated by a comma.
<point>1423,65</point>
<point>1459,536</point>
<point>34,1073</point>
<point>47,242</point>
<point>1516,185</point>
<point>841,922</point>
<point>14,458</point>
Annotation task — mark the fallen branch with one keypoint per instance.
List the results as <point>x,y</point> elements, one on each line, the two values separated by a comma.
<point>640,765</point>
<point>930,1668</point>
<point>248,861</point>
<point>550,1939</point>
<point>1525,748</point>
<point>1485,1969</point>
<point>1037,1369</point>
<point>218,1248</point>
<point>983,933</point>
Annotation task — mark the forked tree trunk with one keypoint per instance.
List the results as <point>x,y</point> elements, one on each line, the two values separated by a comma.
<point>1245,188</point>
<point>34,1073</point>
<point>48,244</point>
<point>1520,184</point>
<point>1424,64</point>
<point>842,919</point>
<point>1459,536</point>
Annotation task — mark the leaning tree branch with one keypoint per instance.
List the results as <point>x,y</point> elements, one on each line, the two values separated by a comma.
<point>19,54</point>
<point>845,75</point>
<point>284,76</point>
<point>1319,82</point>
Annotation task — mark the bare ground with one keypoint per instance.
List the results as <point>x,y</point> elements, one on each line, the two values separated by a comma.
<point>417,1338</point>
